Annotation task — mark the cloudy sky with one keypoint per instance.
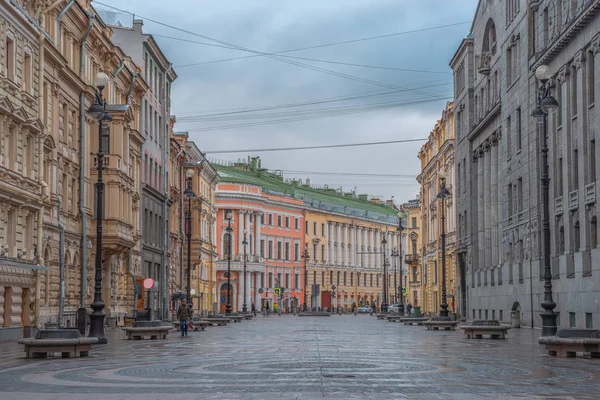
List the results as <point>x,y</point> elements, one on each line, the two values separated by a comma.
<point>401,104</point>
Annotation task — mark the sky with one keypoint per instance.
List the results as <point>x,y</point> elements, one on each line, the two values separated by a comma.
<point>387,104</point>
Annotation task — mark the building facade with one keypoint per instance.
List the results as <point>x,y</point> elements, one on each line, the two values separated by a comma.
<point>22,189</point>
<point>154,121</point>
<point>437,155</point>
<point>204,180</point>
<point>411,249</point>
<point>498,153</point>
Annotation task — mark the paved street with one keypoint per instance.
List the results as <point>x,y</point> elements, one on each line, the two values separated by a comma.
<point>304,358</point>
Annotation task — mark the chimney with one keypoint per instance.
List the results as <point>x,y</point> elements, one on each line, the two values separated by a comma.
<point>137,25</point>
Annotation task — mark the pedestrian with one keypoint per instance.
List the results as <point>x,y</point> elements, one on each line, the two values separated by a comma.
<point>253,310</point>
<point>267,308</point>
<point>185,315</point>
<point>408,308</point>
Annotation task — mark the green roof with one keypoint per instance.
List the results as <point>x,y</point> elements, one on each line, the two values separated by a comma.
<point>320,198</point>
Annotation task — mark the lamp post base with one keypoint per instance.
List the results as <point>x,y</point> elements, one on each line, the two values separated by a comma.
<point>228,310</point>
<point>384,308</point>
<point>549,327</point>
<point>97,327</point>
<point>244,309</point>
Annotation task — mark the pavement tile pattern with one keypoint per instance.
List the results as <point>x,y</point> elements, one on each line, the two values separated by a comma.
<point>286,357</point>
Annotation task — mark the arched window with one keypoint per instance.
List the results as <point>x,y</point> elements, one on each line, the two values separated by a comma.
<point>226,244</point>
<point>489,38</point>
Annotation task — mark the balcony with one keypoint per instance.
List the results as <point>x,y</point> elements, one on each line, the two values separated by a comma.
<point>590,193</point>
<point>411,258</point>
<point>573,200</point>
<point>484,62</point>
<point>558,206</point>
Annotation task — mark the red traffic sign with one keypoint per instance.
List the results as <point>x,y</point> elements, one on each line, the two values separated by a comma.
<point>148,283</point>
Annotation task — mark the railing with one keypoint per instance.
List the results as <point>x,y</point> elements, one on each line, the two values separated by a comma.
<point>558,205</point>
<point>590,193</point>
<point>573,200</point>
<point>411,258</point>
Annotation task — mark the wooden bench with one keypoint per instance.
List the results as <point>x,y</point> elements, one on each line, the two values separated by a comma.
<point>216,321</point>
<point>570,341</point>
<point>440,323</point>
<point>394,318</point>
<point>153,332</point>
<point>413,320</point>
<point>68,342</point>
<point>248,316</point>
<point>478,328</point>
<point>381,316</point>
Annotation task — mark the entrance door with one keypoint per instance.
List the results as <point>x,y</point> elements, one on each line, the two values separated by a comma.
<point>223,298</point>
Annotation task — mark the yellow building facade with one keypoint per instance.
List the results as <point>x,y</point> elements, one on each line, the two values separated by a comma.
<point>412,252</point>
<point>437,155</point>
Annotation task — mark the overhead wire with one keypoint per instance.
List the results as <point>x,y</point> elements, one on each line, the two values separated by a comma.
<point>266,54</point>
<point>304,118</point>
<point>314,147</point>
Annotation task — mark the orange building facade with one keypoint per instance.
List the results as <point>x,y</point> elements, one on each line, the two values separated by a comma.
<point>271,227</point>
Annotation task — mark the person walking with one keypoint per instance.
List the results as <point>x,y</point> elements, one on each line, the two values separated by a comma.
<point>267,308</point>
<point>184,314</point>
<point>253,310</point>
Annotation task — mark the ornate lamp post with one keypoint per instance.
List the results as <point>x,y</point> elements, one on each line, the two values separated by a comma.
<point>384,303</point>
<point>229,229</point>
<point>443,195</point>
<point>400,231</point>
<point>98,112</point>
<point>306,258</point>
<point>189,194</point>
<point>245,243</point>
<point>546,104</point>
<point>393,256</point>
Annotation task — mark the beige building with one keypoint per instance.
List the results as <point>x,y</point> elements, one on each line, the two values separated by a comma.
<point>437,155</point>
<point>412,252</point>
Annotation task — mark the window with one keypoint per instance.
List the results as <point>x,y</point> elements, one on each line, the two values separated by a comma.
<point>262,219</point>
<point>279,250</point>
<point>345,275</point>
<point>287,251</point>
<point>296,223</point>
<point>520,198</point>
<point>508,137</point>
<point>9,58</point>
<point>315,228</point>
<point>27,73</point>
<point>501,315</point>
<point>575,169</point>
<point>573,91</point>
<point>414,222</point>
<point>270,249</point>
<point>322,229</point>
<point>226,244</point>
<point>278,283</point>
<point>414,246</point>
<point>509,67</point>
<point>270,219</point>
<point>296,281</point>
<point>315,252</point>
<point>371,280</point>
<point>287,280</point>
<point>591,78</point>
<point>270,279</point>
<point>434,272</point>
<point>414,274</point>
<point>572,320</point>
<point>287,222</point>
<point>589,321</point>
<point>358,278</point>
<point>296,251</point>
<point>322,252</point>
<point>331,277</point>
<point>306,227</point>
<point>323,278</point>
<point>518,128</point>
<point>351,278</point>
<point>315,277</point>
<point>592,161</point>
<point>262,247</point>
<point>338,277</point>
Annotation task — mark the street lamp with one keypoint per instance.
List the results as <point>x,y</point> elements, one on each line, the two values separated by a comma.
<point>306,258</point>
<point>546,104</point>
<point>401,231</point>
<point>189,194</point>
<point>393,256</point>
<point>384,304</point>
<point>245,243</point>
<point>98,112</point>
<point>443,195</point>
<point>229,217</point>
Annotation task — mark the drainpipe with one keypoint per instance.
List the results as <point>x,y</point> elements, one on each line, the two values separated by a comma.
<point>59,17</point>
<point>133,81</point>
<point>82,167</point>
<point>61,259</point>
<point>181,226</point>
<point>121,67</point>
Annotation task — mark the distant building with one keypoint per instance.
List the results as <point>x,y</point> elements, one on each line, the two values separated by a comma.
<point>412,252</point>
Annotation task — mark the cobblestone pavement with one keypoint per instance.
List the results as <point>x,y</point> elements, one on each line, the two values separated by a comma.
<point>288,357</point>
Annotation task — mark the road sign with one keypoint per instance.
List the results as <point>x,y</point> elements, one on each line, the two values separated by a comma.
<point>403,290</point>
<point>277,291</point>
<point>148,283</point>
<point>261,290</point>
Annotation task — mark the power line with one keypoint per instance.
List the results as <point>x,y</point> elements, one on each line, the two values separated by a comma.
<point>236,114</point>
<point>330,146</point>
<point>295,57</point>
<point>336,43</point>
<point>295,172</point>
<point>269,55</point>
<point>304,118</point>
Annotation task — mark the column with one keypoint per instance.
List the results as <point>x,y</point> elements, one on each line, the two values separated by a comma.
<point>248,291</point>
<point>338,256</point>
<point>257,285</point>
<point>353,246</point>
<point>480,205</point>
<point>377,249</point>
<point>346,243</point>
<point>494,200</point>
<point>359,247</point>
<point>488,205</point>
<point>257,236</point>
<point>330,241</point>
<point>240,223</point>
<point>371,233</point>
<point>247,228</point>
